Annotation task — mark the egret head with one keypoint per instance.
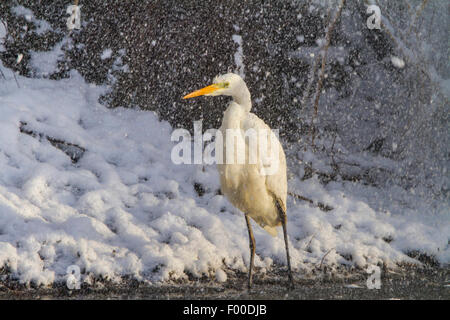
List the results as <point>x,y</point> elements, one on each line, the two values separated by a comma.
<point>224,85</point>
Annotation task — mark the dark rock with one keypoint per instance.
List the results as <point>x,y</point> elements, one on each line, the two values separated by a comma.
<point>74,151</point>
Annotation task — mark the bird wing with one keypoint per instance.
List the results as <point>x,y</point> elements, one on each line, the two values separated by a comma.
<point>276,183</point>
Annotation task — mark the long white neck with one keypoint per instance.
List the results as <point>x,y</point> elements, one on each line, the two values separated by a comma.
<point>242,97</point>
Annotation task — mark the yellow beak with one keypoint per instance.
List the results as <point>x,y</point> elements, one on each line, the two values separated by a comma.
<point>203,91</point>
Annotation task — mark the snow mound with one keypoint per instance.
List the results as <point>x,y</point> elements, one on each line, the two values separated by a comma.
<point>93,187</point>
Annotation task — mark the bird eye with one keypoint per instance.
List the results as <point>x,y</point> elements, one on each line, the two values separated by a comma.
<point>223,84</point>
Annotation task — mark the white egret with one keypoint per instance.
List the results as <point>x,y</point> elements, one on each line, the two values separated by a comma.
<point>259,196</point>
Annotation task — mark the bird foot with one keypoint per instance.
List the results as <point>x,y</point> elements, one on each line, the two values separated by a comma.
<point>291,284</point>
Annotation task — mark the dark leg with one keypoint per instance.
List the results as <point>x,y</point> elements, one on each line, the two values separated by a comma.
<point>252,250</point>
<point>283,219</point>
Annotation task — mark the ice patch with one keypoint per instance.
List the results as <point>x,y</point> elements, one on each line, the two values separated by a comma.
<point>42,26</point>
<point>3,34</point>
<point>106,54</point>
<point>221,276</point>
<point>46,62</point>
<point>398,62</point>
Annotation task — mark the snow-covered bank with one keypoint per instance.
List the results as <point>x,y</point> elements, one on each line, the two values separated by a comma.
<point>125,209</point>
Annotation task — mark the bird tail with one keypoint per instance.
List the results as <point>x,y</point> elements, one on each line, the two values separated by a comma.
<point>271,230</point>
<point>281,208</point>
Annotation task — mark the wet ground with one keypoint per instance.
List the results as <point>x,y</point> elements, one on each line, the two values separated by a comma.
<point>405,283</point>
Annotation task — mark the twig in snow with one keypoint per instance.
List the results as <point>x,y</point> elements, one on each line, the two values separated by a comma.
<point>321,261</point>
<point>300,197</point>
<point>311,77</point>
<point>416,15</point>
<point>430,28</point>
<point>320,205</point>
<point>15,78</point>
<point>74,151</point>
<point>333,161</point>
<point>322,71</point>
<point>6,27</point>
<point>309,242</point>
<point>6,36</point>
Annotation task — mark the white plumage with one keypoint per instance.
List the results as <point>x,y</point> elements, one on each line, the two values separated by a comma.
<point>243,184</point>
<point>254,187</point>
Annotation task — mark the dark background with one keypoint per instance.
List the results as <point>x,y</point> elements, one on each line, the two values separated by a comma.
<point>173,47</point>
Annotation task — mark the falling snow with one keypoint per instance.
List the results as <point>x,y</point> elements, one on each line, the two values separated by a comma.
<point>88,185</point>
